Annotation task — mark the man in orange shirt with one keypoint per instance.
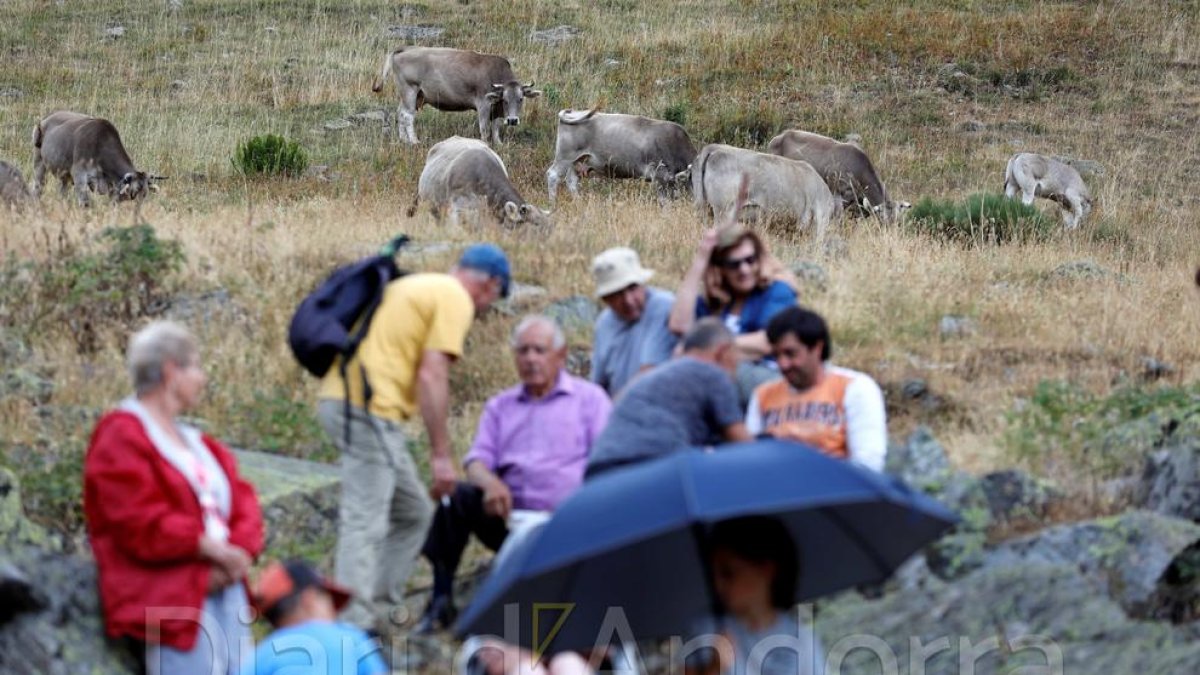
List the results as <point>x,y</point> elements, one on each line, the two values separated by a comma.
<point>837,410</point>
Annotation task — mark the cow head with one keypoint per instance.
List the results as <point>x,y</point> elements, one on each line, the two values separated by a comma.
<point>507,99</point>
<point>136,185</point>
<point>891,212</point>
<point>671,184</point>
<point>525,214</point>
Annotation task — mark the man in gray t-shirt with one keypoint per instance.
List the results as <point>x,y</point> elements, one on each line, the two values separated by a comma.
<point>631,334</point>
<point>687,402</point>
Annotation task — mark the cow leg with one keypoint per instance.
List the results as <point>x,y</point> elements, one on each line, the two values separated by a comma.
<point>554,174</point>
<point>1027,196</point>
<point>1010,189</point>
<point>496,124</point>
<point>406,114</point>
<point>39,176</point>
<point>80,177</point>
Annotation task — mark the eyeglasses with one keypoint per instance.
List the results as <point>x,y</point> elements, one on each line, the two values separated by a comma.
<point>736,263</point>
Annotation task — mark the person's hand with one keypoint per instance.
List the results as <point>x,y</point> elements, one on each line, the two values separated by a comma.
<point>232,560</point>
<point>708,242</point>
<point>218,579</point>
<point>445,476</point>
<point>497,499</point>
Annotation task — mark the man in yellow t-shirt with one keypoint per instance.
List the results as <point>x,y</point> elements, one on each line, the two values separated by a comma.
<point>384,514</point>
<point>836,410</point>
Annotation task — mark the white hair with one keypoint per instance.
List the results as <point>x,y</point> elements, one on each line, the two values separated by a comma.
<point>529,321</point>
<point>153,346</point>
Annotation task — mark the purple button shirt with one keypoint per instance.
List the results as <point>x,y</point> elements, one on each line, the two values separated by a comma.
<point>539,447</point>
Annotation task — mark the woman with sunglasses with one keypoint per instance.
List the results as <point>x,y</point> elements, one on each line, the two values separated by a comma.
<point>734,277</point>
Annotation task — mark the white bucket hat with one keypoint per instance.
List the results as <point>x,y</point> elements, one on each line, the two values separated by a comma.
<point>618,268</point>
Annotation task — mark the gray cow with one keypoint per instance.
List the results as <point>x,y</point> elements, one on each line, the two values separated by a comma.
<point>621,146</point>
<point>13,192</point>
<point>87,152</point>
<point>1036,175</point>
<point>780,189</point>
<point>463,174</point>
<point>454,80</point>
<point>845,168</point>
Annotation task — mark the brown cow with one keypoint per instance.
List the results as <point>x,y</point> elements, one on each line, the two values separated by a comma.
<point>622,146</point>
<point>86,151</point>
<point>453,80</point>
<point>845,168</point>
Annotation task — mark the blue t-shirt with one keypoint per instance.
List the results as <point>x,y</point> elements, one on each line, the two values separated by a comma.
<point>317,648</point>
<point>621,349</point>
<point>758,310</point>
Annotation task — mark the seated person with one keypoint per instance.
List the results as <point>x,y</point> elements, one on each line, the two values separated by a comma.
<point>302,606</point>
<point>755,568</point>
<point>734,277</point>
<point>689,401</point>
<point>837,410</point>
<point>529,453</point>
<point>631,334</point>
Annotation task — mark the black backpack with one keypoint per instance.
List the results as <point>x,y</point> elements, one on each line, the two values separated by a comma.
<point>333,320</point>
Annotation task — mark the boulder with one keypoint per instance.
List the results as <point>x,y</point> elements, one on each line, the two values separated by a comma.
<point>555,36</point>
<point>1001,620</point>
<point>1015,497</point>
<point>575,313</point>
<point>920,461</point>
<point>337,124</point>
<point>1170,483</point>
<point>1080,269</point>
<point>299,500</point>
<point>522,298</point>
<point>811,275</point>
<point>1129,553</point>
<point>951,326</point>
<point>369,117</point>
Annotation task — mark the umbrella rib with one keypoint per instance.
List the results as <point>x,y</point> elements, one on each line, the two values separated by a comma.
<point>857,538</point>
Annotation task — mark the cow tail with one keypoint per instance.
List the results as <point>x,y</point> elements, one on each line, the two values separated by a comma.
<point>703,170</point>
<point>412,208</point>
<point>377,85</point>
<point>37,135</point>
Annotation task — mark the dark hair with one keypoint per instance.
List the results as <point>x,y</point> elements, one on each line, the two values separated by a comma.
<point>761,539</point>
<point>808,327</point>
<point>707,333</point>
<point>279,612</point>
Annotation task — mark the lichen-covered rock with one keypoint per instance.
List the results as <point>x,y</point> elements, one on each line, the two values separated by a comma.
<point>1016,497</point>
<point>1170,483</point>
<point>1002,619</point>
<point>574,313</point>
<point>1130,553</point>
<point>299,500</point>
<point>920,461</point>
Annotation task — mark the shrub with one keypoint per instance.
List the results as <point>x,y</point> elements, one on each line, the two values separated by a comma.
<point>980,219</point>
<point>747,127</point>
<point>1064,428</point>
<point>91,287</point>
<point>677,113</point>
<point>274,421</point>
<point>271,155</point>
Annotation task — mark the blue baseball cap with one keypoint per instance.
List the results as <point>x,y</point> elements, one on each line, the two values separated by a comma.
<point>488,258</point>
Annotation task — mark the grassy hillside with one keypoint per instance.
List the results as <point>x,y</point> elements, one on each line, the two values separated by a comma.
<point>941,93</point>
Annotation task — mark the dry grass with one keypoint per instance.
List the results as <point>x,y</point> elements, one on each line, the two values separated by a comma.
<point>1121,90</point>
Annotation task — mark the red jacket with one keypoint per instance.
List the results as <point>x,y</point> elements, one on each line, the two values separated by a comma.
<point>144,523</point>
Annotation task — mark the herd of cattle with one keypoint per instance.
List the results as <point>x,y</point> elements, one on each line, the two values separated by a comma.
<point>804,178</point>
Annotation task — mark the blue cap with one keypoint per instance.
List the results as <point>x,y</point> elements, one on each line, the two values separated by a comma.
<point>488,258</point>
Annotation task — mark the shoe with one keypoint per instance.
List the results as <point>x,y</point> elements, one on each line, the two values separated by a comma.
<point>439,614</point>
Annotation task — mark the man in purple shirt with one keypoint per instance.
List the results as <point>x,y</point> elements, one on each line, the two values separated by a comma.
<point>529,453</point>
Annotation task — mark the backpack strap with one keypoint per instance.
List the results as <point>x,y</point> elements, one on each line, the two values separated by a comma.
<point>355,340</point>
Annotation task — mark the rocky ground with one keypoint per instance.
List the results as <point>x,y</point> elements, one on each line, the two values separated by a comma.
<point>1111,595</point>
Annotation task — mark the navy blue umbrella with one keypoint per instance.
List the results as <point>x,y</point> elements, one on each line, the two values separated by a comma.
<point>629,548</point>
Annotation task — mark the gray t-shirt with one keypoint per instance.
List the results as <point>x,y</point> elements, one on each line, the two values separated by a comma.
<point>682,403</point>
<point>784,648</point>
<point>622,348</point>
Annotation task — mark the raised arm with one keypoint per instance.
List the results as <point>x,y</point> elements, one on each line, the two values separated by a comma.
<point>683,312</point>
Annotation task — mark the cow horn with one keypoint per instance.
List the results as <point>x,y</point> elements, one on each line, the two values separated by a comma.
<point>527,86</point>
<point>497,86</point>
<point>158,177</point>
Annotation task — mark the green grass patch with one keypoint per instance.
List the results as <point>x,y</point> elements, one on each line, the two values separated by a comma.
<point>980,219</point>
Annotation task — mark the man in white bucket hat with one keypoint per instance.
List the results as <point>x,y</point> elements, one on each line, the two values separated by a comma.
<point>631,335</point>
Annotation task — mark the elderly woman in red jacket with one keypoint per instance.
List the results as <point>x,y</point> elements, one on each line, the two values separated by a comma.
<point>172,525</point>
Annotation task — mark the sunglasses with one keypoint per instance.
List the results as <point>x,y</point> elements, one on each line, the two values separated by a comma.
<point>736,263</point>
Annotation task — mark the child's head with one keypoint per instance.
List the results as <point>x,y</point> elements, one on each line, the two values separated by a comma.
<point>754,564</point>
<point>293,592</point>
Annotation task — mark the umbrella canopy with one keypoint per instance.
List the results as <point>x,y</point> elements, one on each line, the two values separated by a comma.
<point>629,548</point>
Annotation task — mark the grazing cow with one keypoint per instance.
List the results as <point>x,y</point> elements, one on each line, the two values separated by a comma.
<point>12,186</point>
<point>465,174</point>
<point>845,168</point>
<point>86,151</point>
<point>1040,176</point>
<point>779,188</point>
<point>621,146</point>
<point>453,80</point>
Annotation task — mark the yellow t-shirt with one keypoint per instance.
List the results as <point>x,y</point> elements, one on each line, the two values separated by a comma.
<point>418,312</point>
